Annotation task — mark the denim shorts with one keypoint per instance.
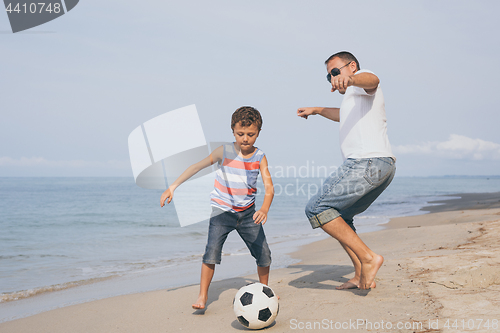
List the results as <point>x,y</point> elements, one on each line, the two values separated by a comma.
<point>350,190</point>
<point>223,222</point>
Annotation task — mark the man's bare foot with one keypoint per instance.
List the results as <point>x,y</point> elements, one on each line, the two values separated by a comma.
<point>353,284</point>
<point>369,271</point>
<point>200,303</point>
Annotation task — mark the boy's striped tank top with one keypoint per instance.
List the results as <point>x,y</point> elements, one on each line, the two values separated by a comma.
<point>236,180</point>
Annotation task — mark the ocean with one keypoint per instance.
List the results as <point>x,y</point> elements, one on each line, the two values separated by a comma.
<point>65,241</point>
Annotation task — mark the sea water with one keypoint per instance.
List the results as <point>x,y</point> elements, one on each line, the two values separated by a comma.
<point>70,240</point>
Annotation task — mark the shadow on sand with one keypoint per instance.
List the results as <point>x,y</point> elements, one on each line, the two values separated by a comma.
<point>322,276</point>
<point>218,287</point>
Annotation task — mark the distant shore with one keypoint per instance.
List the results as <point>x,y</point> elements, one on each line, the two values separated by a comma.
<point>465,202</point>
<point>440,268</point>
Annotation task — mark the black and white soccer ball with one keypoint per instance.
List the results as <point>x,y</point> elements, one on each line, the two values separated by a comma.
<point>256,306</point>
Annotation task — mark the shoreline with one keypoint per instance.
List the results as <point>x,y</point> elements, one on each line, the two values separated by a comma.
<point>449,210</point>
<point>466,201</point>
<point>82,292</point>
<point>301,285</point>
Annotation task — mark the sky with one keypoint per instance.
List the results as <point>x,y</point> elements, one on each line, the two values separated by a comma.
<point>73,89</point>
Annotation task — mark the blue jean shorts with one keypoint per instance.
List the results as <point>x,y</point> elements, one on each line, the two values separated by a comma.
<point>350,190</point>
<point>223,222</point>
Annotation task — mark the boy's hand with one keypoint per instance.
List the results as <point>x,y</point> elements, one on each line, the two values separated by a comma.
<point>260,216</point>
<point>166,195</point>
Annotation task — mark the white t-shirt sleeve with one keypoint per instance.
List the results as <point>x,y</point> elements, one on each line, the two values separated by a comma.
<point>361,91</point>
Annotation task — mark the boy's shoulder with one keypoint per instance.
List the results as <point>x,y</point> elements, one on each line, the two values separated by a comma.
<point>259,151</point>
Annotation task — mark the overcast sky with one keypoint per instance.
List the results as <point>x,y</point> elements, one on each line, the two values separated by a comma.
<point>72,90</point>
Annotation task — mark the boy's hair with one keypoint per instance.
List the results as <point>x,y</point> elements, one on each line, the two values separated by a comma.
<point>344,55</point>
<point>247,115</point>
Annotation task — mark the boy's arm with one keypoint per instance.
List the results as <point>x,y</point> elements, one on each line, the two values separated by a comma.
<point>216,156</point>
<point>260,216</point>
<point>329,113</point>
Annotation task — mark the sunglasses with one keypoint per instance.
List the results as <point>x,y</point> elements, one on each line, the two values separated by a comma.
<point>334,72</point>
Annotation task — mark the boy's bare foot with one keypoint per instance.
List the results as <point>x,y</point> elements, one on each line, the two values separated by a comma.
<point>200,303</point>
<point>369,271</point>
<point>353,284</point>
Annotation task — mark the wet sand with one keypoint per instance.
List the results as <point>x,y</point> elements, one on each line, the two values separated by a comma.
<point>441,274</point>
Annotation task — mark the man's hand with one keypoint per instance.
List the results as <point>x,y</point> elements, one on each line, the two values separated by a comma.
<point>329,113</point>
<point>341,82</point>
<point>306,112</point>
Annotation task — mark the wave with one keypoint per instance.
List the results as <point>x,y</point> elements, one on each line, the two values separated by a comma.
<point>26,256</point>
<point>17,295</point>
<point>361,217</point>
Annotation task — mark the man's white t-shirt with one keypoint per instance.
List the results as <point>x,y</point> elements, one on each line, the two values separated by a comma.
<point>363,124</point>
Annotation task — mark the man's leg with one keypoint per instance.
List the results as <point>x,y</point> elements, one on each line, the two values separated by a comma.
<point>370,262</point>
<point>348,192</point>
<point>360,206</point>
<point>207,273</point>
<point>354,282</point>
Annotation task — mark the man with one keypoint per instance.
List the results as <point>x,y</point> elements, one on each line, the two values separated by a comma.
<point>368,167</point>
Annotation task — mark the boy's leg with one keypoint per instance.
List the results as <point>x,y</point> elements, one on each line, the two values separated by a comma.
<point>369,260</point>
<point>221,224</point>
<point>263,273</point>
<point>207,273</point>
<point>255,239</point>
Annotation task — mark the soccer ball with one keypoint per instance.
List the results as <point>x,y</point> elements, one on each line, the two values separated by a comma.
<point>256,306</point>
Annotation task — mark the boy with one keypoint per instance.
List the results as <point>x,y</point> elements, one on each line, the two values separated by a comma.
<point>233,198</point>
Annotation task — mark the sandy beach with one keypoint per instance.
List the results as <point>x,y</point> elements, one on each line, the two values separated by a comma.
<point>441,274</point>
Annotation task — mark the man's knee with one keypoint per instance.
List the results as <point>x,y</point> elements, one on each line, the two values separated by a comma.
<point>310,209</point>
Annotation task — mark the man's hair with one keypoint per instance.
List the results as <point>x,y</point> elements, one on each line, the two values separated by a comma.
<point>247,115</point>
<point>346,56</point>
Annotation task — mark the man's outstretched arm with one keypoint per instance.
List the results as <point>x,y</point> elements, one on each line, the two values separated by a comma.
<point>330,113</point>
<point>368,81</point>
